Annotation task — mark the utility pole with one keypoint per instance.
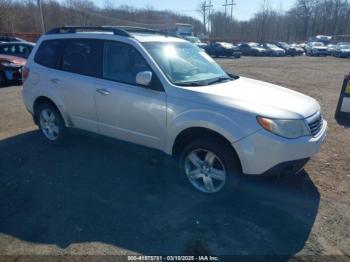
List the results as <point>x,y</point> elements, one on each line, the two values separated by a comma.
<point>202,10</point>
<point>209,6</point>
<point>41,17</point>
<point>205,10</point>
<point>225,5</point>
<point>231,5</point>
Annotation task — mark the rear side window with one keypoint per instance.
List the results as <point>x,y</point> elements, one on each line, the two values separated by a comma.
<point>82,56</point>
<point>49,53</point>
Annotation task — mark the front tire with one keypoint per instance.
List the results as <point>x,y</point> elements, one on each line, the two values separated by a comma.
<point>210,165</point>
<point>51,123</point>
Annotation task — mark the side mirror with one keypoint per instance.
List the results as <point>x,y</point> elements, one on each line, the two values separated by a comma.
<point>144,78</point>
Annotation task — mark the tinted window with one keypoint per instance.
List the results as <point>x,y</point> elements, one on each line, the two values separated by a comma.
<point>82,56</point>
<point>49,53</point>
<point>24,50</point>
<point>122,62</point>
<point>16,49</point>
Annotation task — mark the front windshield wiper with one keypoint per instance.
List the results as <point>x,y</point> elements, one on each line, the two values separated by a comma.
<point>220,80</point>
<point>190,84</point>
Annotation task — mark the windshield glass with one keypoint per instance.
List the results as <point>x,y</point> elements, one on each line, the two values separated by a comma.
<point>253,44</point>
<point>284,45</point>
<point>185,63</point>
<point>226,45</point>
<point>344,45</point>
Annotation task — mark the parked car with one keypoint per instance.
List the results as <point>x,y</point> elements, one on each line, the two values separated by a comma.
<point>273,50</point>
<point>342,50</point>
<point>196,41</point>
<point>290,51</point>
<point>331,49</point>
<point>218,49</point>
<point>165,93</point>
<point>252,49</point>
<point>21,49</point>
<point>299,49</point>
<point>316,49</point>
<point>10,69</point>
<point>11,39</point>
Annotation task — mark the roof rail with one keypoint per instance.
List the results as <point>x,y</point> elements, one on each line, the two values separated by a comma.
<point>133,29</point>
<point>116,30</point>
<point>74,29</point>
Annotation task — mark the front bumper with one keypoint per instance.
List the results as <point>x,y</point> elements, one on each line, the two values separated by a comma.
<point>262,151</point>
<point>319,52</point>
<point>286,168</point>
<point>344,54</point>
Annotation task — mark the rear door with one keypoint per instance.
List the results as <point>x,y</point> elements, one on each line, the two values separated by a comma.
<point>78,69</point>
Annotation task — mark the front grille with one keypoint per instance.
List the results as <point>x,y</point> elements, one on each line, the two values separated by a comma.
<point>315,125</point>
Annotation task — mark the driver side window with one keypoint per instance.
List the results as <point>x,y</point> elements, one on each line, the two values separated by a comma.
<point>122,62</point>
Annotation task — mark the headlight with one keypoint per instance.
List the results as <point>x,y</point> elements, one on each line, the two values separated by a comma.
<point>9,64</point>
<point>285,128</point>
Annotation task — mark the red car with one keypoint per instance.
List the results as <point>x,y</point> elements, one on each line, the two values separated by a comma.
<point>11,69</point>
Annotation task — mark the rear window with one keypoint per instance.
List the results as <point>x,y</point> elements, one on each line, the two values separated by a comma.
<point>49,53</point>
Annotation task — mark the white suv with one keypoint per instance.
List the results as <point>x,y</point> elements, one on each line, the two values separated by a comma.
<point>163,92</point>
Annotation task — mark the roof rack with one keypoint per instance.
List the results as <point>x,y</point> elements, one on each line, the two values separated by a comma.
<point>116,30</point>
<point>133,29</point>
<point>74,29</point>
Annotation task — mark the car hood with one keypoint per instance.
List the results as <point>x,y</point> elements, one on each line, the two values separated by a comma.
<point>277,49</point>
<point>259,98</point>
<point>259,49</point>
<point>13,59</point>
<point>320,47</point>
<point>345,50</point>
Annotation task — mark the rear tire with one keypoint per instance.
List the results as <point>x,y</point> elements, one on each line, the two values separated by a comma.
<point>51,123</point>
<point>210,165</point>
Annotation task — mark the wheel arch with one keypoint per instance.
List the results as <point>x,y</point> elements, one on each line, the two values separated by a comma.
<point>44,99</point>
<point>189,134</point>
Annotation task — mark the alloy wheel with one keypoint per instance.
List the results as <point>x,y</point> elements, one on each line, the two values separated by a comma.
<point>205,170</point>
<point>49,125</point>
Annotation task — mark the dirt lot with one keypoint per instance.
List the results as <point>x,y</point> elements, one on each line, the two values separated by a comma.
<point>95,196</point>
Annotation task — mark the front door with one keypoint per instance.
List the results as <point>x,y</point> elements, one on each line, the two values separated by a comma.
<point>125,110</point>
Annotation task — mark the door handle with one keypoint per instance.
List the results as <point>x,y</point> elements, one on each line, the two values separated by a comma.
<point>55,80</point>
<point>103,92</point>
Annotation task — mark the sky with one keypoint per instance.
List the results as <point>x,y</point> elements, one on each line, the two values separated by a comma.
<point>244,9</point>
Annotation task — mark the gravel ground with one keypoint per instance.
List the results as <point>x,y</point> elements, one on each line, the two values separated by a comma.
<point>95,196</point>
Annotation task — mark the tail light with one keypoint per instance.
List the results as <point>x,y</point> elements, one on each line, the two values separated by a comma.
<point>25,73</point>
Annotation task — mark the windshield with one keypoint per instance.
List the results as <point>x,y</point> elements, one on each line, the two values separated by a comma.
<point>253,44</point>
<point>284,45</point>
<point>185,63</point>
<point>271,46</point>
<point>226,45</point>
<point>344,45</point>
